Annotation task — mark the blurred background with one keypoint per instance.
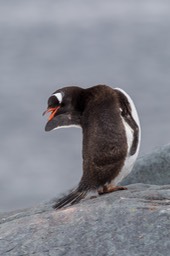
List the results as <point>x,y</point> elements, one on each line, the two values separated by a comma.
<point>45,45</point>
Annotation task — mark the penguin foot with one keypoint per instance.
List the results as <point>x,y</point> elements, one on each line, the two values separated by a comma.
<point>109,188</point>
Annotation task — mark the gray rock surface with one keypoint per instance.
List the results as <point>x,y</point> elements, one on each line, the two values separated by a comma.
<point>153,168</point>
<point>133,222</point>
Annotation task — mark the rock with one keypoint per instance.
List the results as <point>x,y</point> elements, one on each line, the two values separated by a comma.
<point>133,222</point>
<point>153,168</point>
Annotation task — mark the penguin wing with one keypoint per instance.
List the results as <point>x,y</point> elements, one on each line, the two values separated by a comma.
<point>130,116</point>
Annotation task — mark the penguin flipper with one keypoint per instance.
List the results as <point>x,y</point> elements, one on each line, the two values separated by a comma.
<point>74,197</point>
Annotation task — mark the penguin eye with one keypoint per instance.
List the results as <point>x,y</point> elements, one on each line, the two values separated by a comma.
<point>55,99</point>
<point>53,102</point>
<point>59,96</point>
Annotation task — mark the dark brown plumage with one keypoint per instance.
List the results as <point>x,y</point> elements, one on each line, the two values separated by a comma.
<point>104,114</point>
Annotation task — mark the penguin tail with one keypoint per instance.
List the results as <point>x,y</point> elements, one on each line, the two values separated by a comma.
<point>73,198</point>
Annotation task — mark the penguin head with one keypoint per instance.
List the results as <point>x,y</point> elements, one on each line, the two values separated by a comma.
<point>65,108</point>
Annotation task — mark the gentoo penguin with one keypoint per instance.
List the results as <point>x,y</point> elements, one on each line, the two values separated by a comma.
<point>111,135</point>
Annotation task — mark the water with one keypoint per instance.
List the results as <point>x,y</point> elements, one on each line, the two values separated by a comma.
<point>45,45</point>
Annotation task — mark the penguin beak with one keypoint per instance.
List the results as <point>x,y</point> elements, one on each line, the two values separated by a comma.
<point>53,111</point>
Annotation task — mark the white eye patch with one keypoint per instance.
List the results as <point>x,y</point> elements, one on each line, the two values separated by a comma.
<point>59,96</point>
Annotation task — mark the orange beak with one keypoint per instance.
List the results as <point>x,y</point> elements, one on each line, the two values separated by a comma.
<point>53,112</point>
